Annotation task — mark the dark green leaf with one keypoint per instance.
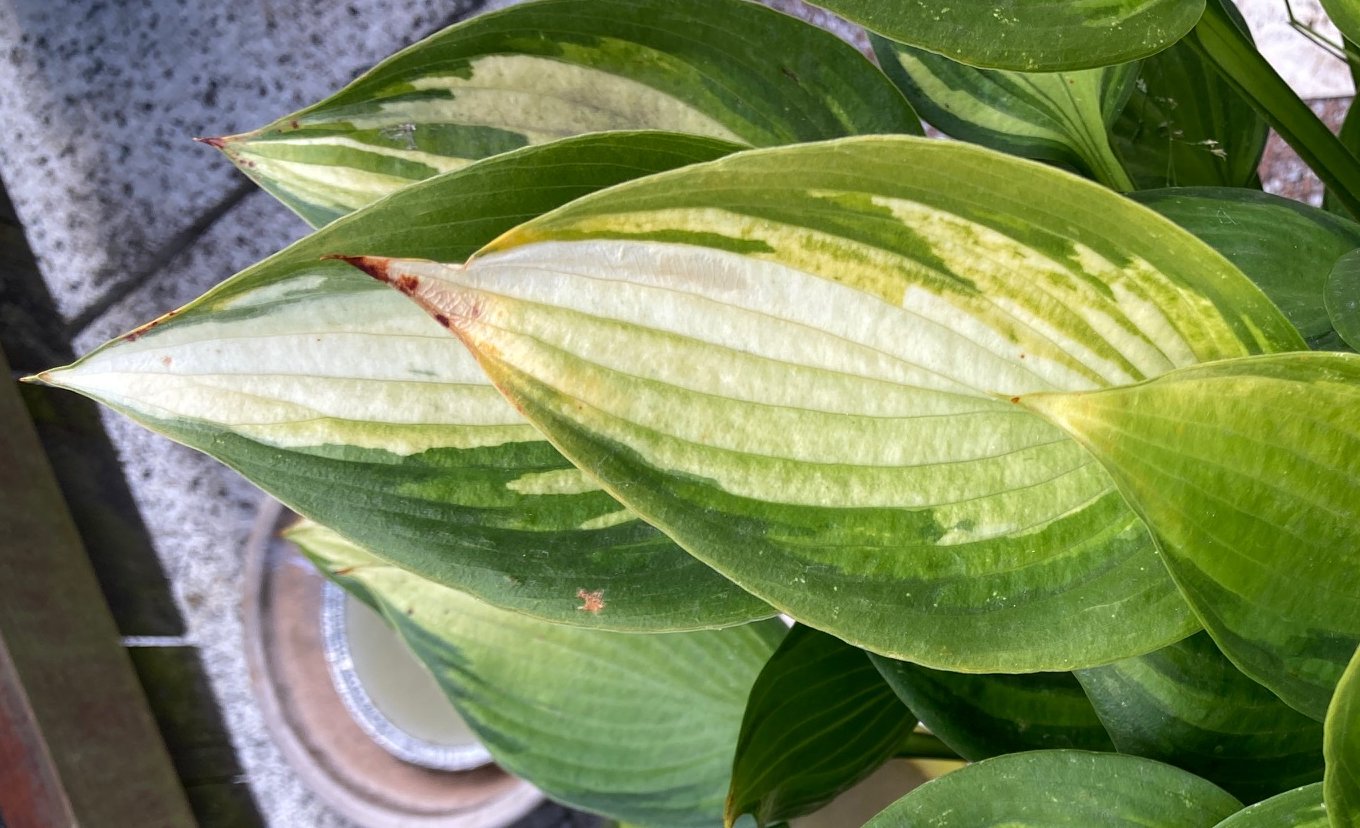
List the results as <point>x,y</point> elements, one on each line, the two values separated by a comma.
<point>981,715</point>
<point>1053,788</point>
<point>1028,35</point>
<point>1286,248</point>
<point>819,720</point>
<point>1342,298</point>
<point>1186,126</point>
<point>1188,706</point>
<point>1299,808</point>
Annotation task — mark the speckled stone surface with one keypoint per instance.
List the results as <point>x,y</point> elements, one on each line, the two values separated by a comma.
<point>129,218</point>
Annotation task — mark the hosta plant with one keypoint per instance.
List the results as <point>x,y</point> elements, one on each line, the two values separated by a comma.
<point>630,325</point>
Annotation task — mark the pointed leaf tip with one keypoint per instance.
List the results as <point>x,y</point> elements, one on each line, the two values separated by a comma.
<point>215,143</point>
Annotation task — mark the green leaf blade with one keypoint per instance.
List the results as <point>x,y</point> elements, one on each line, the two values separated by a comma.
<point>1341,787</point>
<point>538,72</point>
<point>1299,808</point>
<point>1341,298</point>
<point>1050,788</point>
<point>1247,470</point>
<point>1188,706</point>
<point>1029,35</point>
<point>981,715</point>
<point>819,720</point>
<point>641,728</point>
<point>854,457</point>
<point>354,408</point>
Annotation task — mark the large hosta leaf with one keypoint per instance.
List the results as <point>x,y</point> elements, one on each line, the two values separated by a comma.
<point>1287,248</point>
<point>1054,116</point>
<point>1342,298</point>
<point>637,727</point>
<point>1051,788</point>
<point>982,715</point>
<point>1028,35</point>
<point>355,409</point>
<point>798,363</point>
<point>1186,126</point>
<point>820,719</point>
<point>1247,472</point>
<point>1188,706</point>
<point>1342,747</point>
<point>541,71</point>
<point>1299,808</point>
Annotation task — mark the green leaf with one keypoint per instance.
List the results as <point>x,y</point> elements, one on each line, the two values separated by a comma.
<point>1185,125</point>
<point>1028,35</point>
<point>1222,43</point>
<point>1346,15</point>
<point>797,363</point>
<point>1050,788</point>
<point>981,716</point>
<point>1286,248</point>
<point>1247,471</point>
<point>820,719</point>
<point>1341,788</point>
<point>640,728</point>
<point>1188,706</point>
<point>1342,298</point>
<point>1299,808</point>
<point>537,72</point>
<point>1053,116</point>
<point>354,408</point>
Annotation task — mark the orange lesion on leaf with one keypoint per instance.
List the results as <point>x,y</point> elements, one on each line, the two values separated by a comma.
<point>591,602</point>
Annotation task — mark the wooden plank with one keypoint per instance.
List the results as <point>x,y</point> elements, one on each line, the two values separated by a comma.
<point>68,684</point>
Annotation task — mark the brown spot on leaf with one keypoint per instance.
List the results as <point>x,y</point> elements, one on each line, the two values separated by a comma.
<point>293,123</point>
<point>1015,400</point>
<point>407,284</point>
<point>375,266</point>
<point>342,571</point>
<point>591,602</point>
<point>166,361</point>
<point>441,319</point>
<point>215,143</point>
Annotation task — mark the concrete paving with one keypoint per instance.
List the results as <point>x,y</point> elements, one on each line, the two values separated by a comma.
<point>128,219</point>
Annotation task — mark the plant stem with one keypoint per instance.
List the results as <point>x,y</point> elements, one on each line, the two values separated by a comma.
<point>1218,40</point>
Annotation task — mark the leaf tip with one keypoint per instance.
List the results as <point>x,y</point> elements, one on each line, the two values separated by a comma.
<point>40,378</point>
<point>215,143</point>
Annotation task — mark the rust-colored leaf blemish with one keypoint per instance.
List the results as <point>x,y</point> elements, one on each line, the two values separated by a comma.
<point>591,602</point>
<point>441,319</point>
<point>375,266</point>
<point>167,361</point>
<point>215,143</point>
<point>407,284</point>
<point>294,124</point>
<point>1015,400</point>
<point>342,571</point>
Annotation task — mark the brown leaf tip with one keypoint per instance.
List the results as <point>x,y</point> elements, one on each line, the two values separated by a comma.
<point>591,602</point>
<point>375,266</point>
<point>215,143</point>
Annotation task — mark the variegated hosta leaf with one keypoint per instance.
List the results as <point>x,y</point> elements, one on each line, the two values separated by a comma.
<point>1028,35</point>
<point>1189,706</point>
<point>637,727</point>
<point>1299,808</point>
<point>1287,248</point>
<point>537,72</point>
<point>1247,472</point>
<point>1341,788</point>
<point>983,715</point>
<point>1052,788</point>
<point>820,719</point>
<point>350,405</point>
<point>1186,126</point>
<point>1052,116</point>
<point>1342,298</point>
<point>797,363</point>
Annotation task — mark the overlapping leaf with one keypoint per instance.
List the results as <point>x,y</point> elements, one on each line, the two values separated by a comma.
<point>353,407</point>
<point>1247,471</point>
<point>537,72</point>
<point>819,720</point>
<point>1185,125</point>
<point>1287,248</point>
<point>1053,116</point>
<point>1188,706</point>
<point>637,727</point>
<point>1341,788</point>
<point>1342,298</point>
<point>1299,808</point>
<point>798,363</point>
<point>1028,35</point>
<point>982,715</point>
<point>1051,788</point>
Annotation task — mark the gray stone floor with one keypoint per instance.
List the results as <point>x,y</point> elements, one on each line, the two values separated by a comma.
<point>128,218</point>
